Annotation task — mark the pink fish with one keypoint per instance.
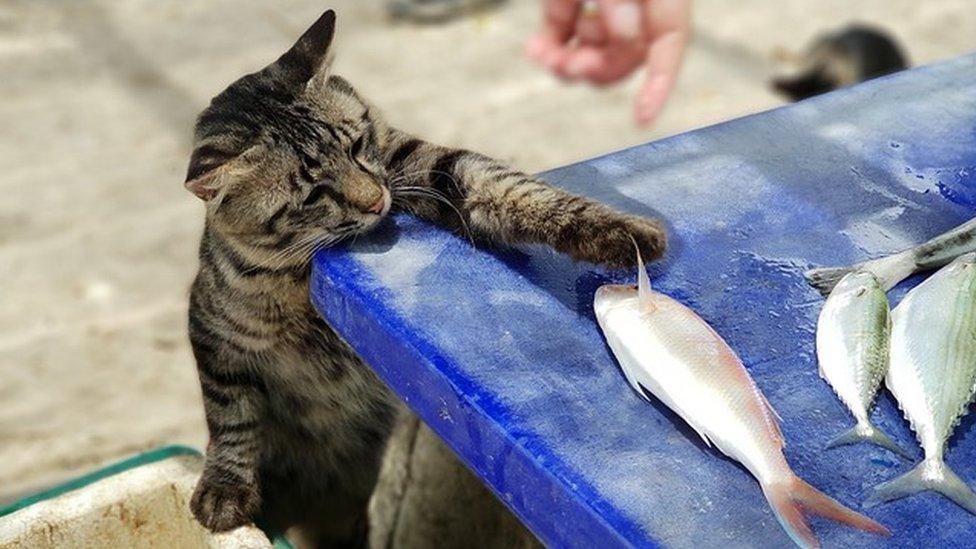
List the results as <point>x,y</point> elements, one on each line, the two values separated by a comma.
<point>665,349</point>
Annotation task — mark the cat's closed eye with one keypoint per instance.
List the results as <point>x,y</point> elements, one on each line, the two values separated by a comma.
<point>360,153</point>
<point>322,188</point>
<point>358,145</point>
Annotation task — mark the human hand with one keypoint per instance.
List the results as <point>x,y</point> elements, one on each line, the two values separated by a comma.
<point>604,41</point>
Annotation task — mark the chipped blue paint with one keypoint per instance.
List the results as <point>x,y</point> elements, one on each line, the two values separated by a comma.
<point>499,352</point>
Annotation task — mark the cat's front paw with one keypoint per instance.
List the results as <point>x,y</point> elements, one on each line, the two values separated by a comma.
<point>614,245</point>
<point>220,504</point>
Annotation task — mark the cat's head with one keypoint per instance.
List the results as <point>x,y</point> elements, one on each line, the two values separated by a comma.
<point>290,153</point>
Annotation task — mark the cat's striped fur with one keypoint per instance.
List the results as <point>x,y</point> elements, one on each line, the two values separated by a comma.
<point>290,159</point>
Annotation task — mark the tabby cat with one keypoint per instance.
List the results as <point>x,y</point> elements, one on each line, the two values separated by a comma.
<point>290,159</point>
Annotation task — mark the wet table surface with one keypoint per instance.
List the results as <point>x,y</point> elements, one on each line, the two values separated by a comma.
<point>498,350</point>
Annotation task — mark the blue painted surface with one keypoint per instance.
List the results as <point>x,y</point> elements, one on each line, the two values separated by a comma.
<point>499,351</point>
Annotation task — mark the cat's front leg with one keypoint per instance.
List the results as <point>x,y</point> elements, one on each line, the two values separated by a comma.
<point>228,493</point>
<point>518,208</point>
<point>494,202</point>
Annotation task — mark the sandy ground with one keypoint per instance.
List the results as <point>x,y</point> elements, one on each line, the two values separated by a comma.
<point>98,237</point>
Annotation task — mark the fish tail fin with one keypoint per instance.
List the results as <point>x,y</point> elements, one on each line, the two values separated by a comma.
<point>792,499</point>
<point>930,474</point>
<point>824,279</point>
<point>790,517</point>
<point>866,432</point>
<point>889,270</point>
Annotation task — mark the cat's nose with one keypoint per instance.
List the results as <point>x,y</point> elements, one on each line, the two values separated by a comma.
<point>377,208</point>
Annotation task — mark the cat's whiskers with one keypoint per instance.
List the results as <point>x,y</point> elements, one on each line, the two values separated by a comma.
<point>406,205</point>
<point>329,241</point>
<point>284,257</point>
<point>407,191</point>
<point>426,192</point>
<point>402,176</point>
<point>406,176</point>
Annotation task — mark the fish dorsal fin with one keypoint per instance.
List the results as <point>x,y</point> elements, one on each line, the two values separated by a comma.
<point>643,282</point>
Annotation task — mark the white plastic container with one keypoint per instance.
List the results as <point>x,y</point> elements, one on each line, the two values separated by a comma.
<point>141,502</point>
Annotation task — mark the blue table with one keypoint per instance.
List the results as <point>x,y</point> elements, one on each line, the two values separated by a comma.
<point>499,353</point>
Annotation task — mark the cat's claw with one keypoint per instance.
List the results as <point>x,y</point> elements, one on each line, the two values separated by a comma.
<point>614,247</point>
<point>221,506</point>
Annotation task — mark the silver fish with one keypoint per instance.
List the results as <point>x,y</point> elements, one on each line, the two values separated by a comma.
<point>933,376</point>
<point>892,269</point>
<point>667,350</point>
<point>852,349</point>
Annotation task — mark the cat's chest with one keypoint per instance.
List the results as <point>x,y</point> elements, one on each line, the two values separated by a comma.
<point>319,391</point>
<point>313,362</point>
<point>313,377</point>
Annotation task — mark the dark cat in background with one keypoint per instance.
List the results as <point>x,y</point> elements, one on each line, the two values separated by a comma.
<point>290,159</point>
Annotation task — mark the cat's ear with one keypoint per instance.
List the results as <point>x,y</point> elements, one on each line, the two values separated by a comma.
<point>204,186</point>
<point>203,175</point>
<point>310,57</point>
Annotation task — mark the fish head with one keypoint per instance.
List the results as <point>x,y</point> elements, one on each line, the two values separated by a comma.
<point>962,263</point>
<point>609,296</point>
<point>856,284</point>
